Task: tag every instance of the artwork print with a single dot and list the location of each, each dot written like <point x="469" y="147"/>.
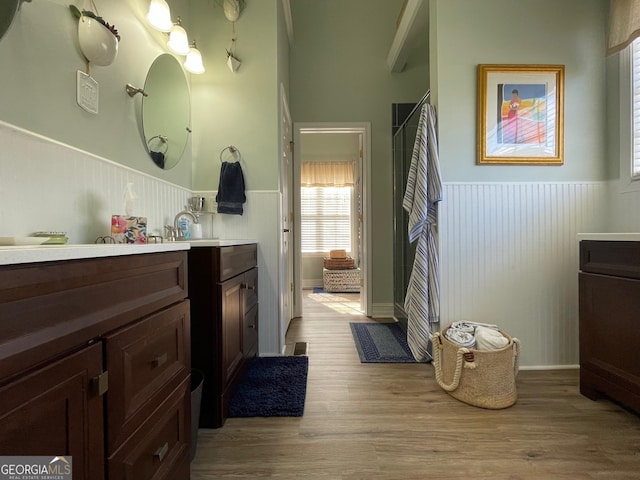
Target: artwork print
<point x="520" y="114"/>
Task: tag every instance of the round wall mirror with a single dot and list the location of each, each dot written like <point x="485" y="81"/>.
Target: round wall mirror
<point x="166" y="111"/>
<point x="8" y="10"/>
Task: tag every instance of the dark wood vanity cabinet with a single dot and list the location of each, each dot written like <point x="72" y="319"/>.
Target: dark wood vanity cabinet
<point x="609" y="291"/>
<point x="95" y="364"/>
<point x="54" y="409"/>
<point x="223" y="289"/>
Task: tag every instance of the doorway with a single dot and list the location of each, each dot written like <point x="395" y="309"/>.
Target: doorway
<point x="316" y="135"/>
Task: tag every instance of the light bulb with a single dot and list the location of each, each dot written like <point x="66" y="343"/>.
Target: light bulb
<point x="178" y="42"/>
<point x="159" y="15"/>
<point x="193" y="62"/>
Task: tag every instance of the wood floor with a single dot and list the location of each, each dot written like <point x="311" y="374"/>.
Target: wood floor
<point x="393" y="422"/>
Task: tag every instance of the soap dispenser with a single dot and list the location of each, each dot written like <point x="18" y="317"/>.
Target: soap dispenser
<point x="184" y="226"/>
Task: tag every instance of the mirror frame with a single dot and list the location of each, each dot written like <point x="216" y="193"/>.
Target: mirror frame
<point x="8" y="12"/>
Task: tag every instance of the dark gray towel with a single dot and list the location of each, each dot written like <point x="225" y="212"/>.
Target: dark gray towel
<point x="231" y="195"/>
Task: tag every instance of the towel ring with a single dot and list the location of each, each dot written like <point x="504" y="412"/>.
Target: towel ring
<point x="233" y="151"/>
<point x="164" y="142"/>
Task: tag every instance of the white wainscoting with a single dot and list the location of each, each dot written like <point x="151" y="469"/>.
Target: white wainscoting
<point x="509" y="256"/>
<point x="46" y="185"/>
<point x="624" y="207"/>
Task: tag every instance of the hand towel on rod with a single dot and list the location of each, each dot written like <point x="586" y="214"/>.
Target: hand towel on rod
<point x="231" y="196"/>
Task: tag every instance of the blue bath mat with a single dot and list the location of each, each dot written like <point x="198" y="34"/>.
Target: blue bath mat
<point x="272" y="387"/>
<point x="381" y="343"/>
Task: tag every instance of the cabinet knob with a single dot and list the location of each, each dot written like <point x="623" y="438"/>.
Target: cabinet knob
<point x="160" y="360"/>
<point x="162" y="451"/>
<point x="249" y="287"/>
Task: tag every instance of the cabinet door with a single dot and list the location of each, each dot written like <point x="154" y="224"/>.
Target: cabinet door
<point x="54" y="411"/>
<point x="609" y="338"/>
<point x="232" y="327"/>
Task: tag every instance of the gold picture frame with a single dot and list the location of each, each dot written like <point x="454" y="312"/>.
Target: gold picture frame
<point x="520" y="115"/>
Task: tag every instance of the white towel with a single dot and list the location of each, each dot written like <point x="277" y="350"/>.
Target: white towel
<point x="489" y="339"/>
<point x="460" y="337"/>
<point x="471" y="326"/>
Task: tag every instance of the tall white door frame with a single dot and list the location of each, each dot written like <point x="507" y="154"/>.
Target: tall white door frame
<point x="286" y="262"/>
<point x="364" y="129"/>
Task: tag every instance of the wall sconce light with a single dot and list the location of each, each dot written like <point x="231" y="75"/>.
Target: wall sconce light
<point x="178" y="42"/>
<point x="193" y="62"/>
<point x="159" y="15"/>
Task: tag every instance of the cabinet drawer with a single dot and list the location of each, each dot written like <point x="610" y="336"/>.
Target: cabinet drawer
<point x="236" y="259"/>
<point x="157" y="450"/>
<point x="250" y="289"/>
<point x="621" y="259"/>
<point x="52" y="307"/>
<point x="146" y="362"/>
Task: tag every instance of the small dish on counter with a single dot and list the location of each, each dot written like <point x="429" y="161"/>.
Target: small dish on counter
<point x="53" y="238"/>
<point x="18" y="240"/>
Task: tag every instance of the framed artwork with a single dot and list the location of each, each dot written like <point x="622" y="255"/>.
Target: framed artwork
<point x="521" y="114"/>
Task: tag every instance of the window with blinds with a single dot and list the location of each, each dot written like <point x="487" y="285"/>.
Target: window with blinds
<point x="325" y="219"/>
<point x="635" y="77"/>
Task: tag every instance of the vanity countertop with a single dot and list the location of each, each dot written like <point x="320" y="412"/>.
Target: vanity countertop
<point x="49" y="253"/>
<point x="220" y="242"/>
<point x="610" y="237"/>
<point x="11" y="255"/>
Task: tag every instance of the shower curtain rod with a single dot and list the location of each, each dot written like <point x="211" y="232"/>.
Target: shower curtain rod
<point x="414" y="110"/>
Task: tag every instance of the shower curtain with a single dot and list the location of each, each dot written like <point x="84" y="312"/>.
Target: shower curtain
<point x="422" y="194"/>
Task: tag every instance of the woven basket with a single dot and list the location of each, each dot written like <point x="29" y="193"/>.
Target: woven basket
<point x="338" y="263"/>
<point x="482" y="378"/>
<point x="341" y="280"/>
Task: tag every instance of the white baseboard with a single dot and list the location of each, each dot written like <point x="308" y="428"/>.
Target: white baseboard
<point x="381" y="310"/>
<point x="549" y="367"/>
<point x="312" y="283"/>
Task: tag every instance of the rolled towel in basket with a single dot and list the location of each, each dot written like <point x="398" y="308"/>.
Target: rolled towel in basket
<point x="471" y="326"/>
<point x="490" y="339"/>
<point x="460" y="337"/>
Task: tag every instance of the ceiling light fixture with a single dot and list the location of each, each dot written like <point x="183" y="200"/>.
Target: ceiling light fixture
<point x="193" y="62"/>
<point x="159" y="15"/>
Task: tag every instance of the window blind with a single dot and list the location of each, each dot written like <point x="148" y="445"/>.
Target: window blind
<point x="635" y="62"/>
<point x="325" y="219"/>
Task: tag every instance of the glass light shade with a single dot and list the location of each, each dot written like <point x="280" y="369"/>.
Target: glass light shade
<point x="193" y="62"/>
<point x="178" y="42"/>
<point x="159" y="15"/>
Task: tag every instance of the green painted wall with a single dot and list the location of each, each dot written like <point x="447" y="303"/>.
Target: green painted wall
<point x="465" y="33"/>
<point x="339" y="74"/>
<point x="40" y="56"/>
<point x="238" y="108"/>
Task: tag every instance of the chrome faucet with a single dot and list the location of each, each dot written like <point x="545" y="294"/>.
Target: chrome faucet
<point x="176" y="230"/>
